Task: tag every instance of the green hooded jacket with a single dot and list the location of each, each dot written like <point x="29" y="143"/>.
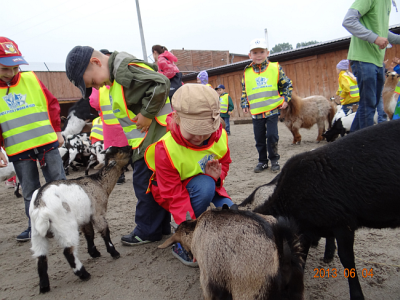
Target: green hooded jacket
<point x="145" y="92"/>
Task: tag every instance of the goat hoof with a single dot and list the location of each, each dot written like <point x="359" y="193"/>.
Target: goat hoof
<point x="44" y="289"/>
<point x="328" y="260"/>
<point x="83" y="274"/>
<point x="115" y="255"/>
<point x="94" y="253"/>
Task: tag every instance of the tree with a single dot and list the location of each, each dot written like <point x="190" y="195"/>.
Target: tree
<point x="281" y="47"/>
<point x="303" y="44"/>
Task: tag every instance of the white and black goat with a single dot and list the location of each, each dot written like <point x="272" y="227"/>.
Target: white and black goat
<point x="97" y="156"/>
<point x="78" y="115"/>
<point x="8" y="172"/>
<point x="243" y="255"/>
<point x="61" y="207"/>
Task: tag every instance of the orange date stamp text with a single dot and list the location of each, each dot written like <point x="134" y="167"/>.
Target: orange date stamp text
<point x="333" y="273"/>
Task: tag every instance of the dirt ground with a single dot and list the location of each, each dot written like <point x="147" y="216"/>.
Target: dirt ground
<point x="145" y="272"/>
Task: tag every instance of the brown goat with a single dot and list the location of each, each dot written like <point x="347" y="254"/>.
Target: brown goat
<point x="388" y="94"/>
<point x="304" y="113"/>
<point x="243" y="255"/>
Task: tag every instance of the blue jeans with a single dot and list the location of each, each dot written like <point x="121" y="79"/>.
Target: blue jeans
<point x="382" y="116"/>
<point x="28" y="174"/>
<point x="202" y="192"/>
<point x="370" y="80"/>
<point x="152" y="221"/>
<point x="228" y="125"/>
<point x="266" y="136"/>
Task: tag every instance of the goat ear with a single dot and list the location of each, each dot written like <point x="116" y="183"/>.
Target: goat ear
<point x="172" y="240"/>
<point x="212" y="206"/>
<point x="188" y="217"/>
<point x="173" y="225"/>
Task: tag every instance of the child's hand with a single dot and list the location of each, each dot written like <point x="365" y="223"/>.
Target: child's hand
<point x="230" y="113"/>
<point x="142" y="122"/>
<point x="60" y="139"/>
<point x="3" y="160"/>
<point x="245" y="110"/>
<point x="214" y="168"/>
<point x="284" y="105"/>
<point x="396" y="60"/>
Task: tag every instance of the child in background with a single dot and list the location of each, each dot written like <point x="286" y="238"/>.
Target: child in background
<point x="139" y="99"/>
<point x="348" y="88"/>
<point x="29" y="125"/>
<point x="396" y="68"/>
<point x="202" y="78"/>
<point x="191" y="161"/>
<point x="226" y="106"/>
<point x="265" y="88"/>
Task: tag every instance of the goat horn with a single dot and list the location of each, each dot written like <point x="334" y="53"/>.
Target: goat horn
<point x="173" y="225"/>
<point x="188" y="217"/>
<point x="212" y="205"/>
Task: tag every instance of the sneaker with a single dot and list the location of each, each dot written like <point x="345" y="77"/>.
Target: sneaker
<point x="10" y="184"/>
<point x="24" y="236"/>
<point x="121" y="179"/>
<point x="133" y="240"/>
<point x="275" y="167"/>
<point x="183" y="256"/>
<point x="260" y="167"/>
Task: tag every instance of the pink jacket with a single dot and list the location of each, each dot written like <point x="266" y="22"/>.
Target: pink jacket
<point x="166" y="64"/>
<point x="113" y="134"/>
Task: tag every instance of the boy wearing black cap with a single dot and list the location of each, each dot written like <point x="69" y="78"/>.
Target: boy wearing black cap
<point x="226" y="106"/>
<point x="140" y="102"/>
<point x="29" y="126"/>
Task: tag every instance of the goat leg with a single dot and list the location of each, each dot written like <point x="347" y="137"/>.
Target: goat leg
<point x="76" y="265"/>
<point x="110" y="246"/>
<point x="330" y="248"/>
<point x="89" y="235"/>
<point x="43" y="276"/>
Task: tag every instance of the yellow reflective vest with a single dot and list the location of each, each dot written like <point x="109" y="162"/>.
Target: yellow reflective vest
<point x="186" y="160"/>
<point x="125" y="116"/>
<point x="24" y="117"/>
<point x="97" y="129"/>
<point x="107" y="115"/>
<point x="397" y="90"/>
<point x="224" y="100"/>
<point x="262" y="89"/>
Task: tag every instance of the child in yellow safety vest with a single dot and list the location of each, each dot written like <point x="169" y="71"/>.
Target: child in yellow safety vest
<point x="191" y="161"/>
<point x="348" y="88"/>
<point x="139" y="101"/>
<point x="29" y="125"/>
<point x="265" y="90"/>
<point x="226" y="106"/>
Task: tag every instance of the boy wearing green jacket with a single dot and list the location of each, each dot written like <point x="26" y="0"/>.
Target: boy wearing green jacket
<point x="139" y="97"/>
<point x="226" y="106"/>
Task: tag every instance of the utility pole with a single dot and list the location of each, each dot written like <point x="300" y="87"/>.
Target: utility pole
<point x="266" y="37"/>
<point x="141" y="31"/>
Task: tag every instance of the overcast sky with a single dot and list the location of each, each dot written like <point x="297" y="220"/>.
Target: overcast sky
<point x="46" y="30"/>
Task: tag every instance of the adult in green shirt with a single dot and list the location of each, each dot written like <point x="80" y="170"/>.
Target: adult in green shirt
<point x="368" y="22"/>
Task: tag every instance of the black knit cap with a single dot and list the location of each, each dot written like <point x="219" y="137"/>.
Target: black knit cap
<point x="77" y="61"/>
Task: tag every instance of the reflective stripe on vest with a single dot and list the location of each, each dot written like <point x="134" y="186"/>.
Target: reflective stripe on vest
<point x="224" y="100"/>
<point x="134" y="136"/>
<point x="97" y="129"/>
<point x="107" y="114"/>
<point x="262" y="89"/>
<point x="161" y="117"/>
<point x="24" y="117"/>
<point x="397" y="90"/>
<point x="186" y="160"/>
<point x="354" y="91"/>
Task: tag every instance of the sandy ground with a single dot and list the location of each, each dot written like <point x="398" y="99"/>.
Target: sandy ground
<point x="145" y="272"/>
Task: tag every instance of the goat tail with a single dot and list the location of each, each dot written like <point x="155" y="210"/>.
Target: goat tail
<point x="295" y="104"/>
<point x="250" y="198"/>
<point x="331" y="114"/>
<point x="40" y="218"/>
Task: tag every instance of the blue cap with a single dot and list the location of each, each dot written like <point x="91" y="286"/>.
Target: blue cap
<point x="77" y="61"/>
<point x="221" y="86"/>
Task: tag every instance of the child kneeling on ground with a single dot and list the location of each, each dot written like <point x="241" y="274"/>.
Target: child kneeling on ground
<point x="192" y="160"/>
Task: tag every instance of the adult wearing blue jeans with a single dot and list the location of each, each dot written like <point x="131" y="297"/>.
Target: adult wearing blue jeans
<point x="368" y="22"/>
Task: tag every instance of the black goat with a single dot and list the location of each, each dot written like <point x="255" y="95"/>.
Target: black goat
<point x="336" y="189"/>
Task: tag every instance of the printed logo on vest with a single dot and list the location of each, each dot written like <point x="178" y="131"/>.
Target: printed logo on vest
<point x="15" y="100"/>
<point x="204" y="160"/>
<point x="262" y="83"/>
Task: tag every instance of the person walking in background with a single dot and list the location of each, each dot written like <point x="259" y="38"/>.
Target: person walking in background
<point x="396" y="67"/>
<point x="368" y="22"/>
<point x="113" y="134"/>
<point x="166" y="65"/>
<point x="139" y="97"/>
<point x="29" y="125"/>
<point x="265" y="89"/>
<point x="226" y="106"/>
<point x="202" y="78"/>
<point x="348" y="88"/>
